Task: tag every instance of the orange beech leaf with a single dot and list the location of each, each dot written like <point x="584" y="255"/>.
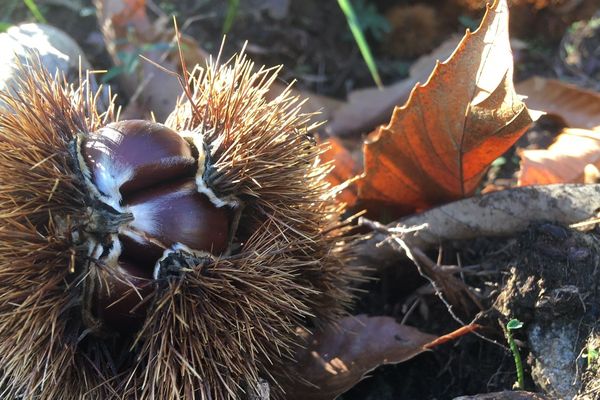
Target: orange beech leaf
<point x="564" y="161"/>
<point x="578" y="107"/>
<point x="438" y="145"/>
<point x="338" y="357"/>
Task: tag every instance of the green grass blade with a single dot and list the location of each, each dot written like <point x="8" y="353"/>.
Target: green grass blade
<point x="33" y="8"/>
<point x="360" y="40"/>
<point x="232" y="9"/>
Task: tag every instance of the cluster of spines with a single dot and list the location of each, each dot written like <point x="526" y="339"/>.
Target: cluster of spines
<point x="41" y="204"/>
<point x="218" y="327"/>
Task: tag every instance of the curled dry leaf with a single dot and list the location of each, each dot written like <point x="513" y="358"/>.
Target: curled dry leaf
<point x="338" y="357"/>
<point x="564" y="161"/>
<point x="495" y="214"/>
<point x="437" y="147"/>
<point x="579" y="108"/>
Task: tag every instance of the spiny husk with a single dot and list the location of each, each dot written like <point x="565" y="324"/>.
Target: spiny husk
<point x="40" y="203"/>
<point x="220" y="325"/>
<point x="261" y="154"/>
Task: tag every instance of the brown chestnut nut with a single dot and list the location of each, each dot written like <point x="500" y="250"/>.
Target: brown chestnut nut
<point x="148" y="171"/>
<point x="128" y="156"/>
<point x="176" y="213"/>
<point x="118" y="304"/>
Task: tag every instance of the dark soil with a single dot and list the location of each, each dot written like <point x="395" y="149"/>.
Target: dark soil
<point x="554" y="289"/>
<point x="468" y="366"/>
<point x="547" y="277"/>
<point x="311" y="39"/>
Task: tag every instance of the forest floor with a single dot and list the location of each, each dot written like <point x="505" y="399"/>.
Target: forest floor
<point x="312" y="41"/>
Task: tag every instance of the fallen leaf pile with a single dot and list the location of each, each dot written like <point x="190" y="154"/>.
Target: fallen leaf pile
<point x="576" y="150"/>
<point x="438" y="145"/>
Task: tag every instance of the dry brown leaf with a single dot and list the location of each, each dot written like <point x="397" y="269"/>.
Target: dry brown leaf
<point x="579" y="108"/>
<point x="339" y="357"/>
<point x="368" y="108"/>
<point x="437" y="147"/>
<point x="564" y="161"/>
<point x="500" y="213"/>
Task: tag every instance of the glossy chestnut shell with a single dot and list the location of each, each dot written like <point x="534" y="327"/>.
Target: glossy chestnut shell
<point x="148" y="170"/>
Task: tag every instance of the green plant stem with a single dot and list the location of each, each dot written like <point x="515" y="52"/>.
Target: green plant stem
<point x="359" y="37"/>
<point x="517" y="356"/>
<point x="33" y="8"/>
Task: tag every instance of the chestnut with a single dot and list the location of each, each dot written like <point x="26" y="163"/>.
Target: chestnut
<point x="128" y="156"/>
<point x="149" y="171"/>
<point x="117" y="303"/>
